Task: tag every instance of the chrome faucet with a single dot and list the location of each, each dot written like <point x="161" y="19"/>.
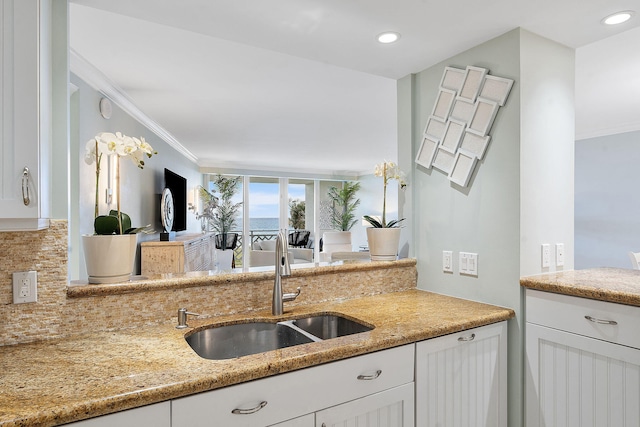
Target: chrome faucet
<point x="283" y="269"/>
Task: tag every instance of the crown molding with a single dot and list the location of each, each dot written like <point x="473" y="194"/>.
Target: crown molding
<point x="612" y="130"/>
<point x="100" y="82"/>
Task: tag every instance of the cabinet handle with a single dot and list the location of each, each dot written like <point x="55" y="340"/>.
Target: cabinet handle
<point x="600" y="321"/>
<point x="250" y="411"/>
<point x="25" y="186"/>
<point x="467" y="338"/>
<point x="370" y="377"/>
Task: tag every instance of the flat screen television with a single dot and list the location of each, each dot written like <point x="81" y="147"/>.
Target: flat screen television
<point x="178" y="186"/>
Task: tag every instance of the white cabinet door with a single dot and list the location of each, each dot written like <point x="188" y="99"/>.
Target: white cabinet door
<point x="461" y="379"/>
<point x="573" y="380"/>
<point x="389" y="408"/>
<point x="304" y="421"/>
<point x="23" y="126"/>
<point x="158" y="415"/>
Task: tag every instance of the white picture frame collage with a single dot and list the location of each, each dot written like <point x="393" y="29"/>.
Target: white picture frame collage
<point x="456" y="135"/>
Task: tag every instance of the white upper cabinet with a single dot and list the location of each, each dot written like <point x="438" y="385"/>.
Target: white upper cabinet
<point x="25" y="112"/>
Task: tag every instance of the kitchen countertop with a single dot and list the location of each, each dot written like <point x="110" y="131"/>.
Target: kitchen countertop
<point x="59" y="381"/>
<point x="617" y="285"/>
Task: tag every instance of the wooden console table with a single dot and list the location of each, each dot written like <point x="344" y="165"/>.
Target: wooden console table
<point x="189" y="252"/>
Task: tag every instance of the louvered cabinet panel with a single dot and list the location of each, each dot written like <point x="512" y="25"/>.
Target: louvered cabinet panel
<point x="575" y="380"/>
<point x="461" y="379"/>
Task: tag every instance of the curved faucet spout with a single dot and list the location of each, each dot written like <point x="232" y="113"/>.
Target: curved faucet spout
<point x="283" y="269"/>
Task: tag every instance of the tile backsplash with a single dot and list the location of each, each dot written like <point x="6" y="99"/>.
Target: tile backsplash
<point x="58" y="315"/>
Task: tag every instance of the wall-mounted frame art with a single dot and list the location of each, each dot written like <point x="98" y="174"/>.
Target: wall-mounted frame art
<point x="462" y="168"/>
<point x="462" y="110"/>
<point x="483" y="116"/>
<point x="443" y="160"/>
<point x="443" y="103"/>
<point x="435" y="127"/>
<point x="456" y="135"/>
<point x="475" y="144"/>
<point x="472" y="84"/>
<point x="452" y="78"/>
<point x="496" y="89"/>
<point x="453" y="135"/>
<point x="427" y="152"/>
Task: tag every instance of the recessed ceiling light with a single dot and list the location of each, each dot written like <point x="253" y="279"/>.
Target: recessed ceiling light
<point x="618" y="17"/>
<point x="388" y="37"/>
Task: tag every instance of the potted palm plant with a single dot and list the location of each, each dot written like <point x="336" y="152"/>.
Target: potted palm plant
<point x="384" y="237"/>
<point x="343" y="216"/>
<point x="110" y="252"/>
<point x="223" y="219"/>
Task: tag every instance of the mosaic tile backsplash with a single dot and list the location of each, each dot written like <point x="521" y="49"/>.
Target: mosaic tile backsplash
<point x="57" y="315"/>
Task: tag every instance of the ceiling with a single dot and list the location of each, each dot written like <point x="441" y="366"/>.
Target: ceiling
<point x="302" y="85"/>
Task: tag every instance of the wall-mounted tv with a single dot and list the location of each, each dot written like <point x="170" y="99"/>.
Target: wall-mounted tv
<point x="178" y="186"/>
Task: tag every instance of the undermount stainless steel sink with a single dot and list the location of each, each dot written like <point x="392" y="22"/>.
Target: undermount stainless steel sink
<point x="230" y="341"/>
<point x="241" y="339"/>
<point x="329" y="326"/>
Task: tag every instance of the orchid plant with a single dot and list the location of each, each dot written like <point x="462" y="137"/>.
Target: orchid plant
<point x="388" y="171"/>
<point x="106" y="143"/>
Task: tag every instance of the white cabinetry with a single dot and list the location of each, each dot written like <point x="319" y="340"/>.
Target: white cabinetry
<point x="461" y="379"/>
<point x="273" y="400"/>
<point x="157" y="415"/>
<point x="389" y="408"/>
<point x="583" y="362"/>
<point x="24" y="116"/>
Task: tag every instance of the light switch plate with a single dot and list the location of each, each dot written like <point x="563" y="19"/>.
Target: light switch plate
<point x="447" y="261"/>
<point x="469" y="263"/>
<point x="546" y="255"/>
<point x="559" y="254"/>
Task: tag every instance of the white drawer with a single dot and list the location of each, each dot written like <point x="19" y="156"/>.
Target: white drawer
<point x="616" y="323"/>
<point x="296" y="393"/>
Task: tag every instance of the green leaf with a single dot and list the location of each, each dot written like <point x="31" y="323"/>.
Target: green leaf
<point x="106" y="224"/>
<point x="126" y="220"/>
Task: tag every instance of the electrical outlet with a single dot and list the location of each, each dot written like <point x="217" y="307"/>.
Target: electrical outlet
<point x="447" y="261"/>
<point x="559" y="254"/>
<point x="546" y="255"/>
<point x="25" y="287"/>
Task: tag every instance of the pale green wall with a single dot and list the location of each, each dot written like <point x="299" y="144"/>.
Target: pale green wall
<point x="486" y="217"/>
<point x="140" y="189"/>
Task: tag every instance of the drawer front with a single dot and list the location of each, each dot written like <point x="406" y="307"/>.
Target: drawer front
<point x="282" y="397"/>
<point x="616" y="323"/>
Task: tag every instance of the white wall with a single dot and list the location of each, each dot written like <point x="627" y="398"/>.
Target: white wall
<point x="546" y="151"/>
<point x="140" y="189"/>
<point x="607" y="205"/>
<point x="486" y="217"/>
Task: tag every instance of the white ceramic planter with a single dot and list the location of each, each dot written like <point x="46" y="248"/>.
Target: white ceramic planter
<point x="109" y="259"/>
<point x="224" y="259"/>
<point x="383" y="243"/>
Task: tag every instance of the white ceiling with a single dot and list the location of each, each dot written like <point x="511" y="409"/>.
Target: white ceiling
<point x="302" y="85"/>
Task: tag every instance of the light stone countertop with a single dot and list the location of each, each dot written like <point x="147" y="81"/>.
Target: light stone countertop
<point x="616" y="285"/>
<point x="63" y="380"/>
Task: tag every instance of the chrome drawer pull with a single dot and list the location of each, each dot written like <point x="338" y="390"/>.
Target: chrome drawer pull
<point x="601" y="321"/>
<point x="250" y="411"/>
<point x="370" y="377"/>
<point x="467" y="338"/>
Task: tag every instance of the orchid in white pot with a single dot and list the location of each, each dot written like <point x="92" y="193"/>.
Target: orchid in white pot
<point x="384" y="237"/>
<point x="110" y="252"/>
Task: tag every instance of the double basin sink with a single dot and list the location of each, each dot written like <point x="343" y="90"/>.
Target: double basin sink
<point x="241" y="339"/>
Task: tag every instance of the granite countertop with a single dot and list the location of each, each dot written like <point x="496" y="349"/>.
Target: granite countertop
<point x="64" y="380"/>
<point x="617" y="285"/>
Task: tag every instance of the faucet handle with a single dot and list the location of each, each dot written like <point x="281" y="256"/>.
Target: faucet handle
<point x="182" y="318"/>
<point x="291" y="296"/>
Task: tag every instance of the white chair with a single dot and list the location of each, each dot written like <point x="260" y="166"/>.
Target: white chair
<point x="635" y="260"/>
<point x="263" y="253"/>
<point x="335" y="241"/>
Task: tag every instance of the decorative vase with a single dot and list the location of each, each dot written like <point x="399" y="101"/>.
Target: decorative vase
<point x="383" y="243"/>
<point x="224" y="259"/>
<point x="109" y="258"/>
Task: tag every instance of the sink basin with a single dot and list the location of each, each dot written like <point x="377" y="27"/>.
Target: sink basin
<point x="330" y="326"/>
<point x="230" y="341"/>
<point x="242" y="339"/>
